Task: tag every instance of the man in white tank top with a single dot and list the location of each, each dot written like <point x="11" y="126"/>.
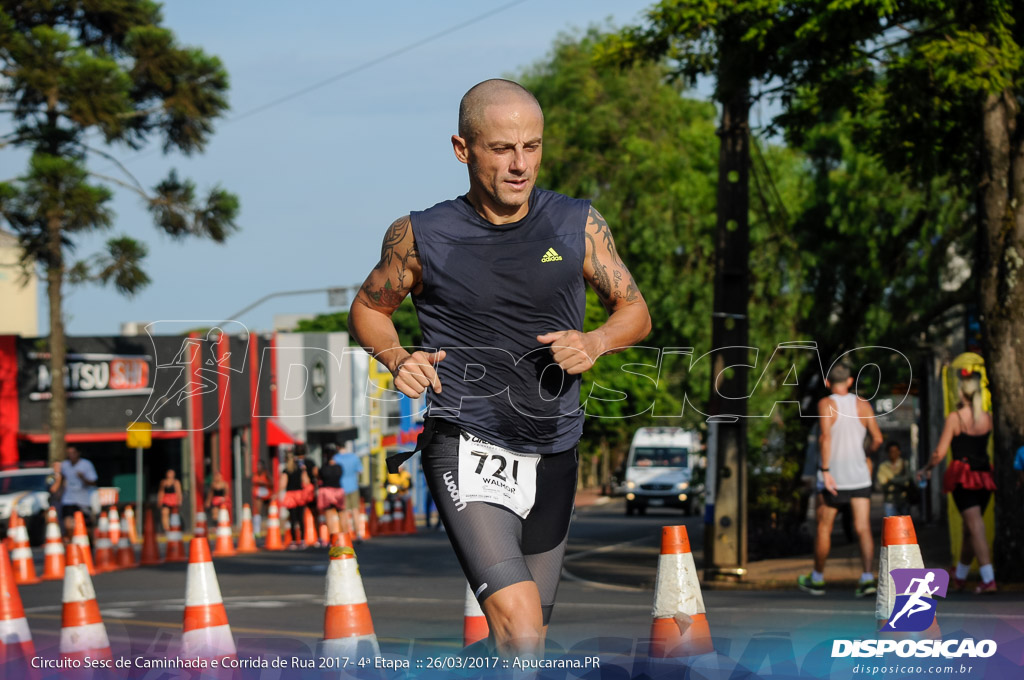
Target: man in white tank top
<point x="845" y="418"/>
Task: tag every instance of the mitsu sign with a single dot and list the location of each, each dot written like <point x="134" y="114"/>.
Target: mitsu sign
<point x="94" y="375"/>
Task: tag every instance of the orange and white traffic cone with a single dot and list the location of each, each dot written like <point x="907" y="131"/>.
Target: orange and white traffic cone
<point x="899" y="551"/>
<point x="80" y="537"/>
<point x="125" y="551"/>
<point x="175" y="551"/>
<point x="310" y="525"/>
<point x="680" y="626"/>
<point x="225" y="544"/>
<point x="133" y="534"/>
<point x="363" y="530"/>
<point x="150" y="549"/>
<point x="207" y="634"/>
<point x="82" y="634"/>
<point x="21" y="555"/>
<point x="348" y="628"/>
<point x="103" y="556"/>
<point x="53" y="549"/>
<point x="398" y="516"/>
<point x="246" y="540"/>
<point x="114" y="521"/>
<point x="199" y="530"/>
<point x="474" y="623"/>
<point x="273" y="540"/>
<point x="15" y="636"/>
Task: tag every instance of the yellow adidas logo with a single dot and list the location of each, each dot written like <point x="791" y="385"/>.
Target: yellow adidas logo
<point x="551" y="256"/>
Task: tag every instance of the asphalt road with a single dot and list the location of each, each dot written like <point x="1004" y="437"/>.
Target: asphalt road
<point x="415" y="591"/>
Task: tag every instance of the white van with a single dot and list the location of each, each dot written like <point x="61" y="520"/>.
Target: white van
<point x="659" y="469"/>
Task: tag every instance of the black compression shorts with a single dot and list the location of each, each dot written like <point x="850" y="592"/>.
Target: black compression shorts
<point x="844" y="496"/>
<point x="495" y="547"/>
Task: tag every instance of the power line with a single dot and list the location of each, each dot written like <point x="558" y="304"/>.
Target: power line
<point x="352" y="71"/>
<point x="373" y="62"/>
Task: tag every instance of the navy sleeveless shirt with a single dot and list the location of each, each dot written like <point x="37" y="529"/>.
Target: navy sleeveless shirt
<point x="488" y="291"/>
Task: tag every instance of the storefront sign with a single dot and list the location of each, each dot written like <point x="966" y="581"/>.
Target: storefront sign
<point x="94" y="375"/>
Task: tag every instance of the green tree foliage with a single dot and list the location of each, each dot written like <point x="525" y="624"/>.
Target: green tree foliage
<point x="405" y="320"/>
<point x="647" y="156"/>
<point x="935" y="91"/>
<point x="939" y="92"/>
<point x="79" y="80"/>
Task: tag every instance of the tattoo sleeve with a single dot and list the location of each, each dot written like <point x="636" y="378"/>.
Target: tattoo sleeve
<point x="610" y="278"/>
<point x="396" y="272"/>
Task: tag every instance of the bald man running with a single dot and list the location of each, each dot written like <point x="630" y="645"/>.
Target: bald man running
<point x="498" y="277"/>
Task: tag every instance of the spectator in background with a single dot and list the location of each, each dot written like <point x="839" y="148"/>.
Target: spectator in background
<point x="968" y="478"/>
<point x="169" y="499"/>
<point x="312" y="471"/>
<point x="894" y="481"/>
<point x="217" y="496"/>
<point x="351" y="468"/>
<point x="330" y="496"/>
<point x="295" y="489"/>
<point x="261" y="491"/>
<point x="78" y="477"/>
<point x="54" y="484"/>
<point x="1018" y="465"/>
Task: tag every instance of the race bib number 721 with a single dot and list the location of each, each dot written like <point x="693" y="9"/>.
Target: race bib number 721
<point x="492" y="474"/>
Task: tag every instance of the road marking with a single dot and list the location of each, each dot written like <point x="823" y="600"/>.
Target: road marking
<point x="237" y="602"/>
<point x="605" y="548"/>
<point x="271" y="632"/>
<point x="569" y="576"/>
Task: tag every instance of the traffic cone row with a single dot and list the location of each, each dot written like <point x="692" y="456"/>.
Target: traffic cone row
<point x="225" y="542"/>
<point x="246" y="540"/>
<point x="309" y="524"/>
<point x="273" y="540"/>
<point x="129" y="517"/>
<point x="16" y="638"/>
<point x="348" y="628"/>
<point x="80" y="538"/>
<point x="175" y="542"/>
<point x="114" y="519"/>
<point x="103" y="555"/>
<point x="362" y="522"/>
<point x="150" y="550"/>
<point x="53" y="549"/>
<point x="82" y="635"/>
<point x="21" y="553"/>
<point x="125" y="552"/>
<point x="199" y="530"/>
<point x="206" y="632"/>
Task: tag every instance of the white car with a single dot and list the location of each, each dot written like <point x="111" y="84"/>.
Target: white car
<point x="659" y="470"/>
<point x="27" y="491"/>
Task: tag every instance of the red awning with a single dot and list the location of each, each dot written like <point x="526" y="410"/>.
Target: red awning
<point x="278" y="434"/>
<point x="89" y="437"/>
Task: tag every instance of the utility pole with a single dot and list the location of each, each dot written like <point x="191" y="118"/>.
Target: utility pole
<point x="725" y="540"/>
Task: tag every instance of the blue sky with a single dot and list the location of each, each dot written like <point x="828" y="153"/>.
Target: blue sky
<point x="321" y="176"/>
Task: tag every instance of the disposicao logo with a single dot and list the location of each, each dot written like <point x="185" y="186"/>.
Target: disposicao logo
<point x="914" y="608"/>
<point x="913" y="611"/>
